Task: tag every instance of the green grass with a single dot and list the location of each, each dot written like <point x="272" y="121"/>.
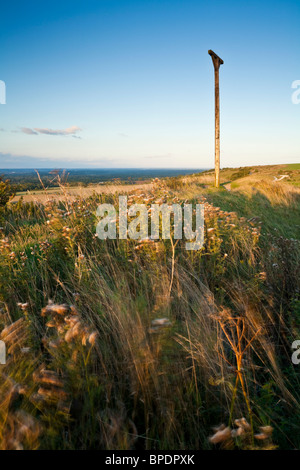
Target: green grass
<point x="293" y="166"/>
<point x="277" y="217"/>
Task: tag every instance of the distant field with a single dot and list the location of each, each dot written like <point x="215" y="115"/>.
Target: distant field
<point x="231" y="179"/>
<point x="23" y="180"/>
<point x="293" y="166"/>
<point x="77" y="191"/>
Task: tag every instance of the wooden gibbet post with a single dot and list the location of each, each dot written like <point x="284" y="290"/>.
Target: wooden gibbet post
<point x="217" y="61"/>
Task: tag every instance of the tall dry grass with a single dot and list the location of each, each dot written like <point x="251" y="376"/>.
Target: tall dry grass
<point x="143" y="345"/>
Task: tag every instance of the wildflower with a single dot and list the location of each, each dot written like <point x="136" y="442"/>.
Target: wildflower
<point x="93" y="337"/>
<point x="51" y="324"/>
<point x="76" y="296"/>
<point x="55" y="344"/>
<point x="71" y="319"/>
<point x="261" y="436"/>
<point x="84" y="336"/>
<point x="48" y="377"/>
<point x="161" y="322"/>
<point x="237" y="432"/>
<point x="242" y="423"/>
<point x="52" y="393"/>
<point x="266" y="432"/>
<point x="221" y="435"/>
<point x="53" y="309"/>
<point x="23" y="306"/>
<point x="70" y="335"/>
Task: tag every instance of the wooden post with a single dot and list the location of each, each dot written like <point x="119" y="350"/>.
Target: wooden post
<point x="217" y="62"/>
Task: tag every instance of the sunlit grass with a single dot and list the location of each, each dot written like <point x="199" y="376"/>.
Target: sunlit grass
<point x="127" y="345"/>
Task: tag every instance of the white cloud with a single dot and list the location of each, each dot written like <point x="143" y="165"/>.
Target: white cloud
<point x="26" y="130"/>
<point x="73" y="130"/>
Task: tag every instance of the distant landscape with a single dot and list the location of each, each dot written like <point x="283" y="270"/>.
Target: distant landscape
<point x="26" y="179"/>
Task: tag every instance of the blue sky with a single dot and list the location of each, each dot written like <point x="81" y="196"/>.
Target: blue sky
<point x="129" y="83"/>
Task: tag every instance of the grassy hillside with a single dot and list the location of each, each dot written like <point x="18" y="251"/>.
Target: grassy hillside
<point x="142" y="344"/>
